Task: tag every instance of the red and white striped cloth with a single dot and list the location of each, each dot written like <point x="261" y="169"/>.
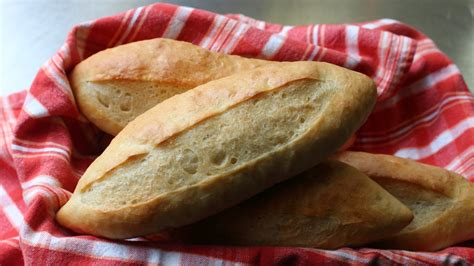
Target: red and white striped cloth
<point x="424" y="112"/>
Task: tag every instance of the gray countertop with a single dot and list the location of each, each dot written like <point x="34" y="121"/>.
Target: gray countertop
<point x="31" y="31"/>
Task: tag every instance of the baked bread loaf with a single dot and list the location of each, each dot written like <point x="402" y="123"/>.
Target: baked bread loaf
<point x="212" y="147"/>
<point x="329" y="206"/>
<point x="116" y="85"/>
<point x="442" y="201"/>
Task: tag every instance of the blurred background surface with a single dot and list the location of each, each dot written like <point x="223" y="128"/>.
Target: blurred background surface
<point x="32" y="30"/>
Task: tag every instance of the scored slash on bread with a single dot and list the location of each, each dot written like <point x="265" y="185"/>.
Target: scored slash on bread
<point x="212" y="147"/>
<point x="116" y="85"/>
<point x="329" y="206"/>
<point x="441" y="201"/>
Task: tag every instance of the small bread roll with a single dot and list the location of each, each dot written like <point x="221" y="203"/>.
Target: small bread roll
<point x="329" y="206"/>
<point x="442" y="201"/>
<point x="116" y="85"/>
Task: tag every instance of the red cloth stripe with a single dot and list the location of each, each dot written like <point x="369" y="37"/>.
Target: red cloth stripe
<point x="196" y="26"/>
<point x="252" y="43"/>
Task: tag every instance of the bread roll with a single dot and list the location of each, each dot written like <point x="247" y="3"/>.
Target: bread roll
<point x="116" y="85"/>
<point x="212" y="147"/>
<point x="442" y="201"/>
<point x="329" y="206"/>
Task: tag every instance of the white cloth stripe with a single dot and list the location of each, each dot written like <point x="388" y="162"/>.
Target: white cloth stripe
<point x="339" y="254"/>
<point x="379" y="23"/>
<point x="460" y="159"/>
<point x="272" y="46"/>
<point x="153" y="256"/>
<point x="313" y="53"/>
<point x="425" y="42"/>
<point x="65" y="52"/>
<point x="467" y="168"/>
<point x="41" y="143"/>
<point x="13" y="242"/>
<point x="316" y="34"/>
<point x="285" y="29"/>
<point x="395" y="257"/>
<point x="39" y="150"/>
<point x="433" y="78"/>
<point x="424" y="45"/>
<point x="218" y="262"/>
<point x="82" y="32"/>
<point x="235" y="37"/>
<point x="383" y="45"/>
<point x="425" y="83"/>
<point x="223" y="35"/>
<point x="13" y="215"/>
<point x="314" y="40"/>
<point x="29" y="195"/>
<point x="177" y="22"/>
<point x="106" y="250"/>
<point x="352" y="46"/>
<point x="42" y="155"/>
<point x="403" y="54"/>
<point x="57" y="60"/>
<point x="136" y="13"/>
<point x="37" y="192"/>
<point x="11" y="211"/>
<point x="206" y="41"/>
<point x="421" y="53"/>
<point x="8" y="111"/>
<point x="468" y="162"/>
<point x="170" y="258"/>
<point x="46" y="194"/>
<point x="132" y="37"/>
<point x="389" y="63"/>
<point x="41" y="180"/>
<point x="123" y="23"/>
<point x="33" y="107"/>
<point x="441" y="141"/>
<point x="59" y="78"/>
<point x="9" y="121"/>
<point x="351" y="62"/>
<point x="434" y="258"/>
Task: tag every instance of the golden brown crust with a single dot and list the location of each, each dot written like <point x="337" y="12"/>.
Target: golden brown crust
<point x="348" y="99"/>
<point x="329" y="206"/>
<point x="164" y="60"/>
<point x="121" y="76"/>
<point x="443" y="200"/>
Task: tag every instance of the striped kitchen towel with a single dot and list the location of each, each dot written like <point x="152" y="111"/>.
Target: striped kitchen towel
<point x="424" y="112"/>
